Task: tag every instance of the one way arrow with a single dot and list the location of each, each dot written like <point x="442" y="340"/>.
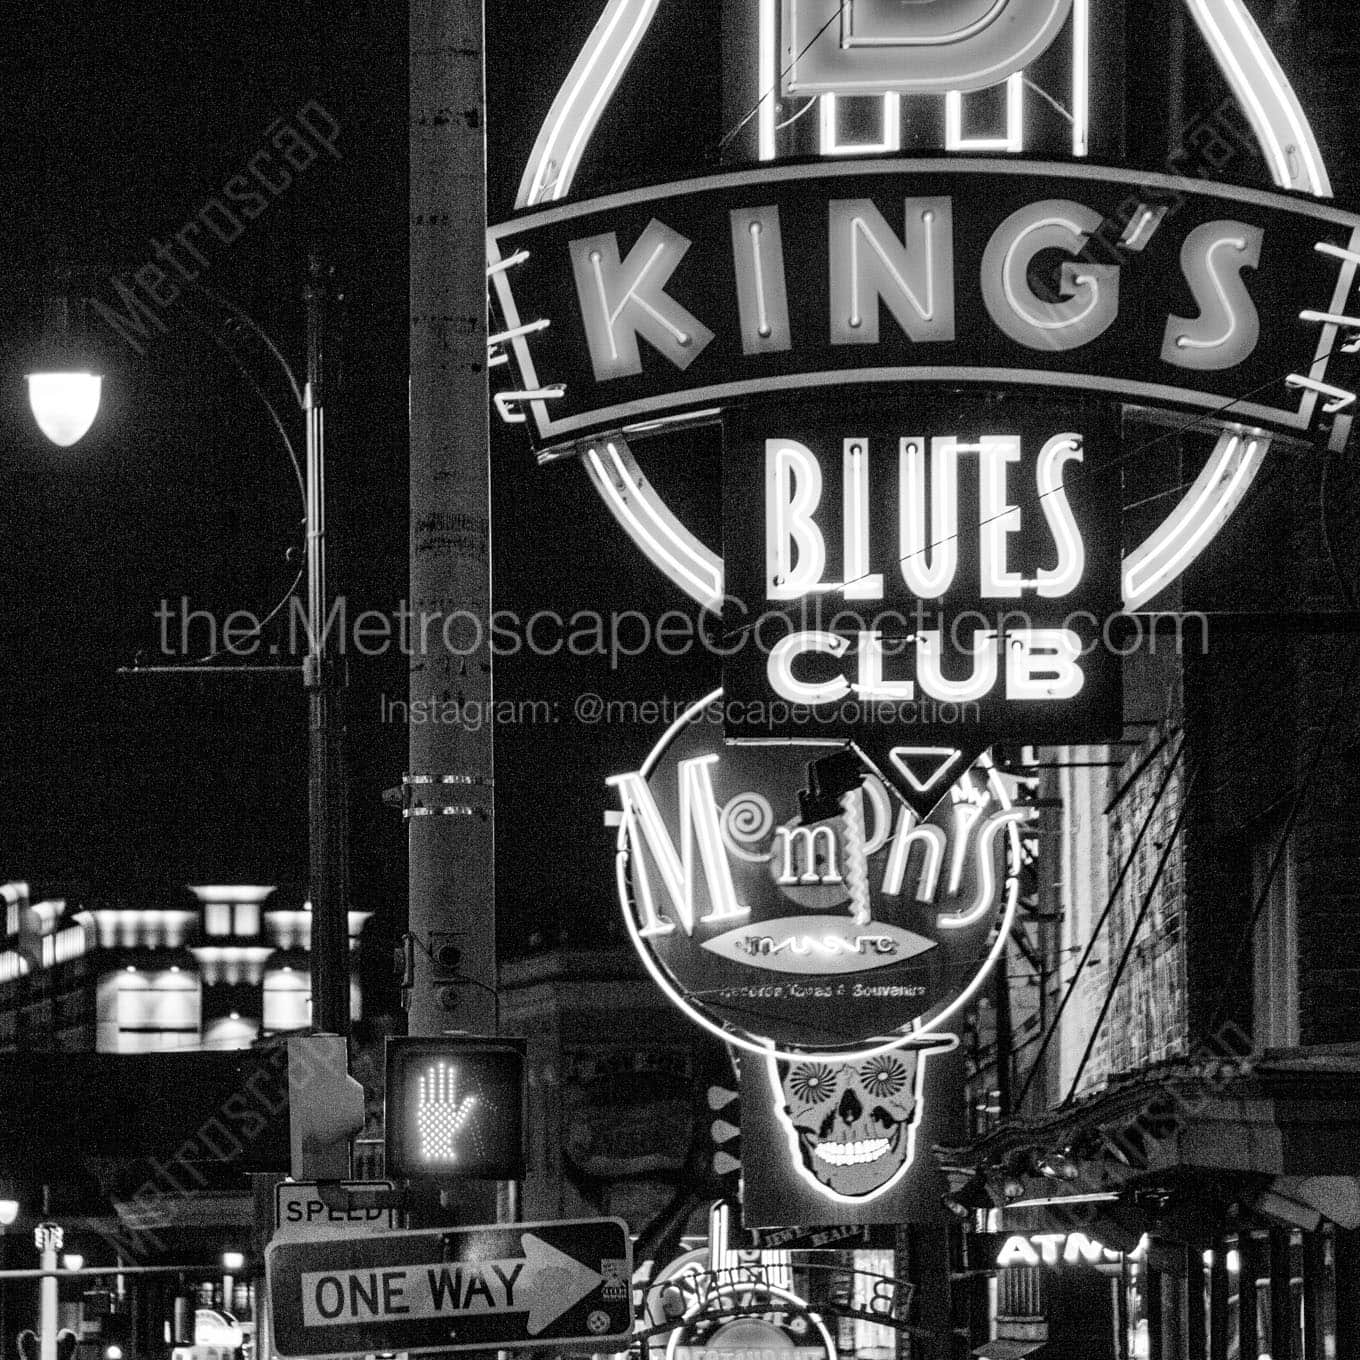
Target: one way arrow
<point x="544" y="1282"/>
<point x="554" y="1283"/>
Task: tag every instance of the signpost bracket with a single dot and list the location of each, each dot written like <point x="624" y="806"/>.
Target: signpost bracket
<point x="338" y="1195"/>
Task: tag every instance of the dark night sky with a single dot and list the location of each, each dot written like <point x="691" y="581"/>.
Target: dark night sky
<point x="118" y="120"/>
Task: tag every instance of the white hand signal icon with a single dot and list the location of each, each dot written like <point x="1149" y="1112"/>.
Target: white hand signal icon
<point x="440" y="1115"/>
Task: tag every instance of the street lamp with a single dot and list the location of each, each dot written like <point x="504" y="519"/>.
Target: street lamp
<point x="63" y="392"/>
<point x="65" y="403"/>
<point x="232" y="1263"/>
<point x="9" y="1211"/>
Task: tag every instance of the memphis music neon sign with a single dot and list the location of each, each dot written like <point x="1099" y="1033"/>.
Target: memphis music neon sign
<point x="787" y="900"/>
<point x="1144" y="287"/>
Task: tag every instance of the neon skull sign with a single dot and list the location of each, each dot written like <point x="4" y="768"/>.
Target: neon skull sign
<point x="853" y="1124"/>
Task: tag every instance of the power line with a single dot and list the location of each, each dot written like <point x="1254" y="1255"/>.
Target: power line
<point x="1127" y="865"/>
<point x="1306" y="784"/>
<point x="1162" y="862"/>
<point x="755" y="108"/>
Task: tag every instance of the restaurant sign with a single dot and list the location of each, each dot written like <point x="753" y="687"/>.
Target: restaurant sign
<point x="1147" y="288"/>
<point x="790" y="902"/>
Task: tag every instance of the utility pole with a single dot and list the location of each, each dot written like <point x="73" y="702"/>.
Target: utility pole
<point x="448" y="787"/>
<point x="327" y="809"/>
<point x="47" y="1237"/>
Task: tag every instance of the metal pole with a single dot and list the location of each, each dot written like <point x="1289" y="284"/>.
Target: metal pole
<point x="1005" y="1038"/>
<point x="449" y="780"/>
<point x="327" y="811"/>
<point x="47" y="1237"/>
<point x="1347" y="1292"/>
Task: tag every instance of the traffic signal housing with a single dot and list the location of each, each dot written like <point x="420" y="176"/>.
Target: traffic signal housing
<point x="446" y="962"/>
<point x="455" y="1108"/>
<point x="325" y="1107"/>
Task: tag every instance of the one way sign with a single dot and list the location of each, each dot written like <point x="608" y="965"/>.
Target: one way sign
<point x="516" y="1285"/>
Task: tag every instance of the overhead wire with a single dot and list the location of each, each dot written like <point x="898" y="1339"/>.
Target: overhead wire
<point x="1089" y="949"/>
<point x="1114" y="464"/>
<point x="774" y="89"/>
<point x="1148" y="897"/>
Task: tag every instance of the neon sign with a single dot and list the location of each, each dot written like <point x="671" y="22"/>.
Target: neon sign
<point x="789" y="901"/>
<point x="928" y="550"/>
<point x="1068" y="1248"/>
<point x="879" y="44"/>
<point x="913" y="271"/>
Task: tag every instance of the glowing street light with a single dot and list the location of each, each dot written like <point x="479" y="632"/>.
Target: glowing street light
<point x="64" y="404"/>
<point x="63" y="389"/>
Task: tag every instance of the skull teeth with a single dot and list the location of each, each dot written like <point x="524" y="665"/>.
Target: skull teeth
<point x="851" y="1154"/>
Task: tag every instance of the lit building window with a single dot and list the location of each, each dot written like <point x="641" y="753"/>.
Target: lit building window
<point x="235" y="1031"/>
<point x="287" y="1001"/>
<point x="231" y="963"/>
<point x="290" y="929"/>
<point x="142" y="928"/>
<point x="231" y="909"/>
<point x="147" y="1011"/>
<point x="1275" y="966"/>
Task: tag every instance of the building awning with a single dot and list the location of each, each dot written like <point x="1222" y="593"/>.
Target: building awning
<point x="1009" y="1350"/>
<point x="1287" y="1119"/>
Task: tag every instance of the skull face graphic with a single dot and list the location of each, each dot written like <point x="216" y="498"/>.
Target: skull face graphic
<point x="855" y="1122"/>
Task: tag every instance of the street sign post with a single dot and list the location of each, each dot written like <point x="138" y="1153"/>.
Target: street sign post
<point x="302" y="1213"/>
<point x="514" y="1285"/>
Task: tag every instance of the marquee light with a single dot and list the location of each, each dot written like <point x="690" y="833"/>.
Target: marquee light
<point x="507" y="402"/>
<point x="1055" y="582"/>
<point x="986" y="887"/>
<point x="1338" y="252"/>
<point x="649" y="522"/>
<point x="943" y="760"/>
<point x="528" y="328"/>
<point x="1090" y="292"/>
<point x="642" y="820"/>
<point x="1216" y="493"/>
<point x="495" y="267"/>
<point x="930" y="667"/>
<point x="793" y="490"/>
<point x="1014" y="140"/>
<point x="1228" y="327"/>
<point x="1264" y="91"/>
<point x="762" y="292"/>
<point x="830" y="144"/>
<point x="1348" y="323"/>
<point x="576" y="111"/>
<point x="1081" y="77"/>
<point x="1142" y="227"/>
<point x="931" y="839"/>
<point x="1339" y="398"/>
<point x="888" y="46"/>
<point x="767" y="76"/>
